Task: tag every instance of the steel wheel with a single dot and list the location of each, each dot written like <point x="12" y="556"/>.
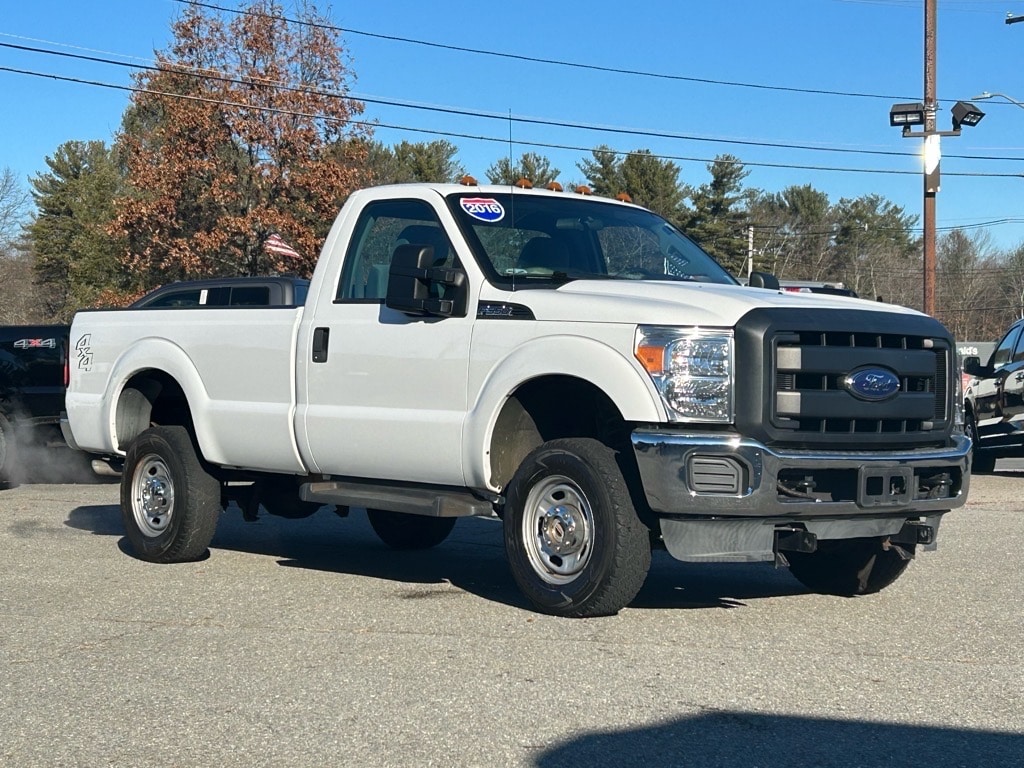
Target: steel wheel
<point x="558" y="529"/>
<point x="152" y="496"/>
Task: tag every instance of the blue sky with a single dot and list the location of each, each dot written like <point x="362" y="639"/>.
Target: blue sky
<point x="870" y="47"/>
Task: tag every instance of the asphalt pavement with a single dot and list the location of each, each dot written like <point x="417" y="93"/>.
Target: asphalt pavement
<point x="308" y="643"/>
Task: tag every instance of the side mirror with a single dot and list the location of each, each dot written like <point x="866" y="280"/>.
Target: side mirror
<point x="411" y="277"/>
<point x="764" y="280"/>
<point x="972" y="366"/>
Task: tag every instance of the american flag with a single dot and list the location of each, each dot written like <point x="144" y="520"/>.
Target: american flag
<point x="276" y="245"/>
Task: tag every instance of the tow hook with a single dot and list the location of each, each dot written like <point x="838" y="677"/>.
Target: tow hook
<point x="889" y="545"/>
<point x="916" y="532"/>
<point x="794" y="540"/>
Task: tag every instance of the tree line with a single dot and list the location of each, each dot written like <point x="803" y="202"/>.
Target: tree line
<point x="245" y="128"/>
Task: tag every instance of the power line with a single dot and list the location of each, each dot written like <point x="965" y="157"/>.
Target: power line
<point x="782" y="228"/>
<point x="542" y="60"/>
<point x="221" y="77"/>
<point x="490" y="139"/>
<point x="214" y="75"/>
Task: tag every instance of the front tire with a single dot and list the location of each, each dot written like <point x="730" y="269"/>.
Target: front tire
<point x="574" y="541"/>
<point x="169" y="502"/>
<point x="982" y="461"/>
<point x="849" y="567"/>
<point x="403" y="531"/>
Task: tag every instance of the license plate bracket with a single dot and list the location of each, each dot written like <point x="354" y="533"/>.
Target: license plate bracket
<point x="885" y="486"/>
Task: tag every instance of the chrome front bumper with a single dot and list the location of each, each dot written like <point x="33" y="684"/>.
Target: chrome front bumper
<point x="723" y="498"/>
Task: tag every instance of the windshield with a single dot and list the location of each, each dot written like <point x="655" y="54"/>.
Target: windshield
<point x="521" y="239"/>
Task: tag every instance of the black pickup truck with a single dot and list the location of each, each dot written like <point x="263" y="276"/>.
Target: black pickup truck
<point x="32" y="359"/>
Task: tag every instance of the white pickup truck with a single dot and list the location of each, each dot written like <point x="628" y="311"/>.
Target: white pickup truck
<point x="574" y="365"/>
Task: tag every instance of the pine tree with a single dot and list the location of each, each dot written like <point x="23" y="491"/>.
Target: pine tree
<point x="75" y="257"/>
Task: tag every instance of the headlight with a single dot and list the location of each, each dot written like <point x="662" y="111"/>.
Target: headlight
<point x="692" y="370"/>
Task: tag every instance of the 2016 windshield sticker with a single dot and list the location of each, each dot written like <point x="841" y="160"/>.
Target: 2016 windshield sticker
<point x="483" y="208"/>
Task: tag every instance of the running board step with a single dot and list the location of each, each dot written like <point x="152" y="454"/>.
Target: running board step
<point x="432" y="502"/>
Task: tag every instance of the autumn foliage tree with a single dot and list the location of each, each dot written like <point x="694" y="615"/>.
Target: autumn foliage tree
<point x="243" y="130"/>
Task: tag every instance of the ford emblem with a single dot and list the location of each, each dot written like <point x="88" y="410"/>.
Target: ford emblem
<point x="872" y="384"/>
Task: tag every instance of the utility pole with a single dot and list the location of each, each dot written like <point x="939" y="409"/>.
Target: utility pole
<point x="931" y="155"/>
<point x="923" y="114"/>
<point x="750" y="249"/>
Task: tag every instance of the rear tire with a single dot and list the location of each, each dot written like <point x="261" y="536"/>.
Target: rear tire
<point x="281" y="499"/>
<point x="849" y="567"/>
<point x="404" y="531"/>
<point x="574" y="541"/>
<point x="169" y="502"/>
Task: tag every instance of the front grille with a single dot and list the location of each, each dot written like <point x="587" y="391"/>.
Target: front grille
<point x="812" y="396"/>
<point x="820" y="379"/>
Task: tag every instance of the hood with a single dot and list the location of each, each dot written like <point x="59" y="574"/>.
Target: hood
<point x="670" y="303"/>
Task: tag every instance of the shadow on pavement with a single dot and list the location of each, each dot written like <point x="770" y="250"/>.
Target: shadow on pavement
<point x="472" y="559"/>
<point x="730" y="738"/>
<point x="100" y="519"/>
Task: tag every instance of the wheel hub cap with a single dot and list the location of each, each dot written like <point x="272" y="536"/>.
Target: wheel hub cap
<point x="561" y="532"/>
<point x="152" y="496"/>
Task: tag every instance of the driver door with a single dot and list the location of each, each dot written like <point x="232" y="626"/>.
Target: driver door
<point x="385" y="394"/>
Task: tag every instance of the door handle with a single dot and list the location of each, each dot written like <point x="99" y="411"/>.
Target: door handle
<point x="321" y="340"/>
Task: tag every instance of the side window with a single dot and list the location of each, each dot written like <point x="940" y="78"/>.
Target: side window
<point x="177" y="299"/>
<point x="381" y="228"/>
<point x="218" y="296"/>
<point x="250" y="296"/>
<point x="1018" y="350"/>
<point x="1003" y="351"/>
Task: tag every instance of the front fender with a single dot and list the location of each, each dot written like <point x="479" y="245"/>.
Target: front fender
<point x="604" y="366"/>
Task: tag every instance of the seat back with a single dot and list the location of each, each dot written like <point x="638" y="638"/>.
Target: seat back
<point x="544" y="253"/>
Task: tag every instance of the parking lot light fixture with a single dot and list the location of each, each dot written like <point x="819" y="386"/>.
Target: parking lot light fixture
<point x="965" y="113"/>
<point x="907" y="114"/>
